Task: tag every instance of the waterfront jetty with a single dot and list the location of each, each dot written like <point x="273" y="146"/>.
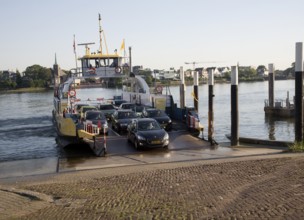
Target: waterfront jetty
<point x="279" y="107"/>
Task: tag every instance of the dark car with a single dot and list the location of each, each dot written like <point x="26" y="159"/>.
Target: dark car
<point x="118" y="102"/>
<point x="146" y="132"/>
<point x="107" y="109"/>
<point x="160" y="116"/>
<point x="127" y="105"/>
<point x="135" y="107"/>
<point x="121" y="118"/>
<point x="99" y="119"/>
<point x="138" y="109"/>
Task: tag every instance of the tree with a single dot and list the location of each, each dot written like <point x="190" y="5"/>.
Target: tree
<point x="40" y="76"/>
<point x="149" y="80"/>
<point x="247" y="72"/>
<point x="18" y="80"/>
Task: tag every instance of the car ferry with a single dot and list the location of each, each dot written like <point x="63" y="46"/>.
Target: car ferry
<point x="71" y="129"/>
<point x="100" y="65"/>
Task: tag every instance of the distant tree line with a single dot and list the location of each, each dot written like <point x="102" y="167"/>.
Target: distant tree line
<point x="246" y="73"/>
<point x="38" y="76"/>
<point x="33" y="76"/>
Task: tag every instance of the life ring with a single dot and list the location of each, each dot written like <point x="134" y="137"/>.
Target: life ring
<point x="92" y="70"/>
<point x="72" y="93"/>
<point x="159" y="89"/>
<point x="118" y="69"/>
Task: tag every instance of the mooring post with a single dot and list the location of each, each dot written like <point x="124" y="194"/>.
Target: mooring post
<point x="195" y="90"/>
<point x="182" y="88"/>
<point x="234" y="141"/>
<point x="299" y="93"/>
<point x="271" y="85"/>
<point x="210" y="106"/>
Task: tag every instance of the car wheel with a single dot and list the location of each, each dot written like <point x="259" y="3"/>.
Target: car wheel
<point x="166" y="147"/>
<point x="136" y="145"/>
<point x="128" y="139"/>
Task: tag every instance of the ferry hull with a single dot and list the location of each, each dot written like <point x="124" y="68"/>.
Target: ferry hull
<point x="69" y="134"/>
<point x="280" y="112"/>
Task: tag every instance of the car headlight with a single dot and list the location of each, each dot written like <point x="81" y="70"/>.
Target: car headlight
<point x="169" y="121"/>
<point x="139" y="137"/>
<point x="166" y="137"/>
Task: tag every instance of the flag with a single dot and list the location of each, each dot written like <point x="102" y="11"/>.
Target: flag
<point x="74" y="46"/>
<point x="193" y="95"/>
<point x="122" y="47"/>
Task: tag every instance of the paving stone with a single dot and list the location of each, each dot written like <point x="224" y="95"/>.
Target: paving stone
<point x="270" y="188"/>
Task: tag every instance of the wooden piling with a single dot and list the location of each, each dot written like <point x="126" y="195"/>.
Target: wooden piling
<point x="234" y="141"/>
<point x="195" y="91"/>
<point x="182" y="88"/>
<point x="271" y="78"/>
<point x="299" y="93"/>
<point x="210" y="106"/>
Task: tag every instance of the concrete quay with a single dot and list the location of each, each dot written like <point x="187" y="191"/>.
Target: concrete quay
<point x="254" y="183"/>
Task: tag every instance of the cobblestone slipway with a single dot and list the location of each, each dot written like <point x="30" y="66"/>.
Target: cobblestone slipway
<point x="261" y="187"/>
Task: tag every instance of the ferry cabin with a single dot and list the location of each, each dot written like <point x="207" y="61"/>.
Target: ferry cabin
<point x="102" y="65"/>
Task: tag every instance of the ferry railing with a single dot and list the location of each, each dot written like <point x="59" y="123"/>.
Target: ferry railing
<point x="280" y="103"/>
<point x="90" y="127"/>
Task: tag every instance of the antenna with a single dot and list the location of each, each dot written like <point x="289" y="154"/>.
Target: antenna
<point x="86" y="47"/>
<point x="85" y="44"/>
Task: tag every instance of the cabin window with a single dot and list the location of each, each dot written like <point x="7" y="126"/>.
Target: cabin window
<point x="105" y="62"/>
<point x="114" y="62"/>
<point x="85" y="63"/>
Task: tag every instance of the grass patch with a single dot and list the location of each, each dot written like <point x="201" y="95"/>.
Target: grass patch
<point x="296" y="147"/>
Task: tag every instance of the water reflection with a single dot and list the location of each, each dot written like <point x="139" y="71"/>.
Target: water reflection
<point x="278" y="127"/>
<point x="26" y="130"/>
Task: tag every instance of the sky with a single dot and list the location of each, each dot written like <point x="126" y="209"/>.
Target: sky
<point x="162" y="33"/>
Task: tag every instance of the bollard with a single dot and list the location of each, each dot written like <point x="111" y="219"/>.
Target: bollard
<point x="299" y="93"/>
<point x="210" y="107"/>
<point x="234" y="107"/>
<point x="271" y="77"/>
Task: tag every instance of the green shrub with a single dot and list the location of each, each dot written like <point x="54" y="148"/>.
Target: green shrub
<point x="297" y="147"/>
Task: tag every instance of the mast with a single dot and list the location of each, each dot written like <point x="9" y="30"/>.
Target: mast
<point x="100" y="34"/>
<point x="74" y="46"/>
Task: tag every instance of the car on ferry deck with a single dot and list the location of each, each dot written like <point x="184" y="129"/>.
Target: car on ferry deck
<point x="118" y="102"/>
<point x="127" y="105"/>
<point x="138" y="109"/>
<point x="107" y="109"/>
<point x="85" y="108"/>
<point x="121" y="118"/>
<point x="146" y="132"/>
<point x="77" y="107"/>
<point x="160" y="116"/>
<point x="99" y="119"/>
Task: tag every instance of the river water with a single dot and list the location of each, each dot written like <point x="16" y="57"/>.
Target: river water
<point x="26" y="129"/>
